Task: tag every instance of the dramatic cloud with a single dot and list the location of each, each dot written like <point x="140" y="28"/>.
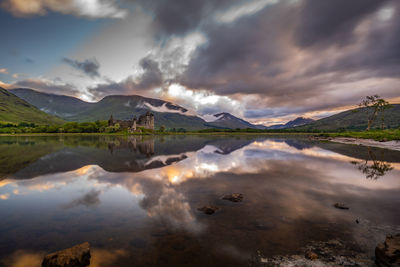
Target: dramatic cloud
<point x="181" y="16"/>
<point x="243" y="56"/>
<point x="272" y="56"/>
<point x="150" y="78"/>
<point x="201" y="101"/>
<point x="91" y="9"/>
<point x="331" y="21"/>
<point x="90" y="66"/>
<point x="261" y="59"/>
<point x="245" y="9"/>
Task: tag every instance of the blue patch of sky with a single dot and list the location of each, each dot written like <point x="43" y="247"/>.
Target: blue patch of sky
<point x="35" y="45"/>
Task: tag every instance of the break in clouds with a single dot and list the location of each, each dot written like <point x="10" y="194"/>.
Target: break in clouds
<point x="260" y="58"/>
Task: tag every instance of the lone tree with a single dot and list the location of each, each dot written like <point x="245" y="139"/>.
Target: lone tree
<point x="374" y="105"/>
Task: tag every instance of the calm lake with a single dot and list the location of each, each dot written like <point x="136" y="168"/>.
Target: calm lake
<point x="136" y="199"/>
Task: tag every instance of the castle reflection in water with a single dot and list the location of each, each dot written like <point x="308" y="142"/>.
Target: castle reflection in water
<point x="144" y="146"/>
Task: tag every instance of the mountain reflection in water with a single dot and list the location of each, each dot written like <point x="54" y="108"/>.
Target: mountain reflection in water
<point x="135" y="199"/>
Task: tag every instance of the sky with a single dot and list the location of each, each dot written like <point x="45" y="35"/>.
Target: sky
<point x="267" y="61"/>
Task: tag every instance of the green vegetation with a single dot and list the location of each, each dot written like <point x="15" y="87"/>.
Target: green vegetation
<point x="16" y="154"/>
<point x="15" y="110"/>
<point x="378" y="135"/>
<point x="70" y="127"/>
<point x="101" y="127"/>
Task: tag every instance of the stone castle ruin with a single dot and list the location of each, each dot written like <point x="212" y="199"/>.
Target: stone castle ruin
<point x="146" y="121"/>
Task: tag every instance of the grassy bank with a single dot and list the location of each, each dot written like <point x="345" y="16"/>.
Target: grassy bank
<point x="378" y="135"/>
<point x="102" y="128"/>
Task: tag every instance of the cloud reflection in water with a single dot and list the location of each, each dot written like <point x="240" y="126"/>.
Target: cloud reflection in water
<point x="289" y="188"/>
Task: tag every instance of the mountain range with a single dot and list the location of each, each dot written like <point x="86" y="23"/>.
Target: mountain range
<point x="121" y="107"/>
<point x="27" y="105"/>
<point x="228" y="121"/>
<point x="294" y="123"/>
<point x="15" y="110"/>
<point x="124" y="107"/>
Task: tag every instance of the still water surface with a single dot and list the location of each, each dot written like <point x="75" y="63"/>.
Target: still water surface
<point x="135" y="199"/>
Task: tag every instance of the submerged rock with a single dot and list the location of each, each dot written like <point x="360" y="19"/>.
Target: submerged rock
<point x="341" y="206"/>
<point x="235" y="197"/>
<point x="77" y="256"/>
<point x="208" y="209"/>
<point x="388" y="253"/>
<point x="311" y="255"/>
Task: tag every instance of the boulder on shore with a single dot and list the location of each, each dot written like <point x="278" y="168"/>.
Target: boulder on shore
<point x="77" y="256"/>
<point x="388" y="253"/>
<point x="235" y="197"/>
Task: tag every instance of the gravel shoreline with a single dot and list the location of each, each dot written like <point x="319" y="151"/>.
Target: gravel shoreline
<point x="393" y="145"/>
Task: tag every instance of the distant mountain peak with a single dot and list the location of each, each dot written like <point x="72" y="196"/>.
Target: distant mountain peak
<point x="299" y="121"/>
<point x="226" y="120"/>
<point x="225" y="116"/>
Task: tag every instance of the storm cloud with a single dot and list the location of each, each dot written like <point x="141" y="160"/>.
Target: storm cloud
<point x="331" y="22"/>
<point x="151" y="77"/>
<point x="305" y="54"/>
<point x="258" y="59"/>
<point x="287" y="57"/>
<point x="89" y="67"/>
<point x="177" y="17"/>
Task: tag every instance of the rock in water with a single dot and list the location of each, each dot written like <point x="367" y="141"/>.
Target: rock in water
<point x="77" y="256"/>
<point x="341" y="206"/>
<point x="235" y="197"/>
<point x="208" y="209"/>
<point x="388" y="253"/>
<point x="311" y="255"/>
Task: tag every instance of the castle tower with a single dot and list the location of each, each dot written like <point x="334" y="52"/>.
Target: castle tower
<point x="151" y="121"/>
<point x="147" y="121"/>
<point x="111" y="121"/>
<point x="134" y="123"/>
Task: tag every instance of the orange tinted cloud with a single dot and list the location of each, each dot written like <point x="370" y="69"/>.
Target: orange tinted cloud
<point x="92" y="9"/>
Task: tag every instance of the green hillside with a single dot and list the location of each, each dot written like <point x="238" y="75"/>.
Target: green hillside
<point x="15" y="110"/>
<point x="57" y="105"/>
<point x="355" y="119"/>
